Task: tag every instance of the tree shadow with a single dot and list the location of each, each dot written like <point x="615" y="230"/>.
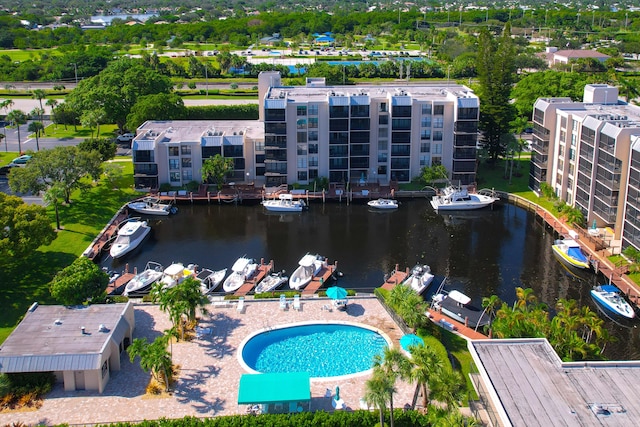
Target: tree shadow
<point x="222" y="325"/>
<point x="192" y="390"/>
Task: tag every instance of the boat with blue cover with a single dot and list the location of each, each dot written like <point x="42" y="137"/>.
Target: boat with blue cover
<point x="569" y="252"/>
<point x="610" y="299"/>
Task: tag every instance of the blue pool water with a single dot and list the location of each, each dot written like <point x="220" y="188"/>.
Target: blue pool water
<point x="322" y="350"/>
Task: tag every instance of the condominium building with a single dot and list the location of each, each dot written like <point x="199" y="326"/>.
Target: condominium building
<point x="368" y="133"/>
<point x="588" y="153"/>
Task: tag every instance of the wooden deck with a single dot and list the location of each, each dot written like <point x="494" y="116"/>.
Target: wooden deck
<point x="395" y="278"/>
<point x="261" y="272"/>
<point x="318" y="280"/>
<point x="460" y="328"/>
<point x="117" y="286"/>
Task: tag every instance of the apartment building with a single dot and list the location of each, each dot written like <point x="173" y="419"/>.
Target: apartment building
<point x="588" y="153"/>
<point x="368" y="133"/>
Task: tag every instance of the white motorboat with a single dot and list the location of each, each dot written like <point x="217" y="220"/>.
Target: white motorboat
<point x="308" y="266"/>
<point x="130" y="235"/>
<point x="569" y="252"/>
<point x="608" y="296"/>
<point x="457" y="306"/>
<point x="284" y="203"/>
<point x="141" y="283"/>
<point x="456" y="198"/>
<point x="241" y="271"/>
<point x="176" y="273"/>
<point x="152" y="206"/>
<point x="271" y="282"/>
<point x="385" y="204"/>
<point x="420" y="278"/>
<point x="210" y="280"/>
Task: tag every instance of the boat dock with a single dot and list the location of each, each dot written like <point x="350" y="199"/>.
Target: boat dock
<point x="396" y="277"/>
<point x="319" y="280"/>
<point x="262" y="270"/>
<point x="117" y="286"/>
<point x="453" y="325"/>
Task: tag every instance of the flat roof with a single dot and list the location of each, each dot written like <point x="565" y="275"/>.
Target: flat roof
<point x="274" y="388"/>
<point x="194" y="130"/>
<point x="531" y="386"/>
<point x="50" y="337"/>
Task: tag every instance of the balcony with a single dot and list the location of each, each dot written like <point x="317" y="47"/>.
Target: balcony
<point x="145" y="169"/>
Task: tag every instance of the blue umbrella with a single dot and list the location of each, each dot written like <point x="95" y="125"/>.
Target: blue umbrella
<point x="336" y="292"/>
<point x="410" y="340"/>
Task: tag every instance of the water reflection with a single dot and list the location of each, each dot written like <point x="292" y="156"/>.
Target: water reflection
<point x="481" y="253"/>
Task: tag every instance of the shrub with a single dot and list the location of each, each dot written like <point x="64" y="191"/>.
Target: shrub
<point x="275" y="294"/>
<point x="154" y="387"/>
<point x="191" y="85"/>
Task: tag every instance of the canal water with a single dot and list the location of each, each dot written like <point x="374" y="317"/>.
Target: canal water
<point x="479" y="253"/>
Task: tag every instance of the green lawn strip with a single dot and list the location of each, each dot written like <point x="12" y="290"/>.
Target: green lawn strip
<point x="24" y="281"/>
<point x="68" y="131"/>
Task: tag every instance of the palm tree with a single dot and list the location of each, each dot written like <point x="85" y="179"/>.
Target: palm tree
<point x="19" y="118"/>
<point x="393" y="364"/>
<point x="425" y="363"/>
<point x="153" y="357"/>
<point x="39" y="94"/>
<point x="490" y="305"/>
<point x="377" y="390"/>
<point x="182" y="299"/>
<point x="53" y="195"/>
<point x="524" y="298"/>
<point x="36" y="128"/>
<point x="447" y="386"/>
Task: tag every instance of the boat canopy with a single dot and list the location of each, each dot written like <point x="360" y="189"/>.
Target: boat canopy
<point x="240" y="265"/>
<point x="609" y="288"/>
<point x="459" y="297"/>
<point x="286" y="197"/>
<point x="174" y="269"/>
<point x="307" y="260"/>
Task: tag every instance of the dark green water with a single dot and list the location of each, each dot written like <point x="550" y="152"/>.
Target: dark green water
<point x="480" y="252"/>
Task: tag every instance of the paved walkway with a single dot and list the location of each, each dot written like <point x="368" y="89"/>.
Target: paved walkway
<point x="209" y="368"/>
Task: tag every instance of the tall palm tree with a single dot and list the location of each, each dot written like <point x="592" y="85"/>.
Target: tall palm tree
<point x="39" y="94"/>
<point x="153" y="357"/>
<point x="490" y="306"/>
<point x="395" y="365"/>
<point x="377" y="390"/>
<point x="36" y="128"/>
<point x="425" y="363"/>
<point x="19" y="118"/>
<point x="447" y="386"/>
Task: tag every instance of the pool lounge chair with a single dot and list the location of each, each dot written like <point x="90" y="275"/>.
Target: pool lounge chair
<point x="240" y="306"/>
<point x="283" y="302"/>
<point x="296" y="302"/>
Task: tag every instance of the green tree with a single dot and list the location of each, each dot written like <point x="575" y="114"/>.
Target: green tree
<point x="105" y="146"/>
<point x="161" y="106"/>
<point x="36" y="128"/>
<point x="447" y="386"/>
<point x="113" y="173"/>
<point x="52" y="196"/>
<point x="183" y="299"/>
<point x="17" y="117"/>
<point x="394" y="365"/>
<point x="23" y="227"/>
<point x="409" y="305"/>
<point x="64" y="166"/>
<point x="425" y="363"/>
<point x="377" y="390"/>
<point x="154" y="357"/>
<point x="216" y="168"/>
<point x="79" y="282"/>
<point x="430" y="174"/>
<point x="496" y="75"/>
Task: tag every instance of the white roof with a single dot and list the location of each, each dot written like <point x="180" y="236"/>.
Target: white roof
<point x="459" y="297"/>
<point x="174" y="269"/>
<point x="307" y="260"/>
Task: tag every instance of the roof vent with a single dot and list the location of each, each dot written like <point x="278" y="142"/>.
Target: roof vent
<point x="57" y="322"/>
<point x="82" y="330"/>
<point x="33" y="307"/>
<point x="102" y="328"/>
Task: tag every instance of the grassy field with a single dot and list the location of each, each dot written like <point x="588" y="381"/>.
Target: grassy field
<point x="24" y="281"/>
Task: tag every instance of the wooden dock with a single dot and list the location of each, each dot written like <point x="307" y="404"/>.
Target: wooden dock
<point x="262" y="270"/>
<point x="396" y="277"/>
<point x="117" y="286"/>
<point x="319" y="280"/>
<point x="436" y="317"/>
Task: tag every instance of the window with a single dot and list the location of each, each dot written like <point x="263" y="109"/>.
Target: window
<point x="274" y="115"/>
<point x="301" y="110"/>
<point x="301" y="123"/>
<point x="437" y="135"/>
<point x="302" y="149"/>
<point x="312" y="109"/>
<point x="313" y="148"/>
<point x="187" y="175"/>
<point x="425" y="160"/>
<point x="302" y="137"/>
<point x="232" y="151"/>
<point x="259" y="145"/>
<point x="313" y="135"/>
<point x="313" y="123"/>
<point x="186" y="162"/>
<point x="313" y="161"/>
<point x="174" y="151"/>
<point x="174" y="164"/>
<point x="383" y="107"/>
<point x="438" y="110"/>
<point x="425" y="147"/>
<point x="174" y="176"/>
<point x="185" y="150"/>
<point x="438" y="122"/>
<point x="302" y="175"/>
<point x="383" y="145"/>
<point x="426" y="109"/>
<point x="425" y="134"/>
<point x="302" y="162"/>
<point x="437" y="148"/>
<point x="383" y="132"/>
<point x="425" y="122"/>
<point x="383" y="120"/>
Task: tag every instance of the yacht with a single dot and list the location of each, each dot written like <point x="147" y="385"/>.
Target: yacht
<point x="151" y="206"/>
<point x="569" y="252"/>
<point x="130" y="235"/>
<point x="385" y="204"/>
<point x="284" y="203"/>
<point x="308" y="266"/>
<point x="457" y="306"/>
<point x="241" y="271"/>
<point x="420" y="278"/>
<point x="141" y="283"/>
<point x="176" y="273"/>
<point x="456" y="198"/>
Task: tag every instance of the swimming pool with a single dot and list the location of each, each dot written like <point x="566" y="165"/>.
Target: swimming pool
<point x="321" y="349"/>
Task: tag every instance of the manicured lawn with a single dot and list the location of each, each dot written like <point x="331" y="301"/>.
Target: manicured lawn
<point x="24" y="281"/>
<point x="61" y="131"/>
<point x="24" y="55"/>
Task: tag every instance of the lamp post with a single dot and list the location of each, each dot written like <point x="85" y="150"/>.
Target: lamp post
<point x="75" y="70"/>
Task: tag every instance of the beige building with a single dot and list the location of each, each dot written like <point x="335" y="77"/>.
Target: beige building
<point x="80" y="345"/>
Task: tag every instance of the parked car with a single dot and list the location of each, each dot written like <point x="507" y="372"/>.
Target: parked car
<point x="4" y="170"/>
<point x="125" y="137"/>
<point x="22" y="160"/>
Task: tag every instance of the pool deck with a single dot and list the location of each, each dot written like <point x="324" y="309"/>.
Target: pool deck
<point x="209" y="369"/>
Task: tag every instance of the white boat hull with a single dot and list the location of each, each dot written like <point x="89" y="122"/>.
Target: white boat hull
<point x="309" y="266"/>
<point x="141" y="283"/>
<point x="243" y="269"/>
<point x="271" y="282"/>
<point x="383" y="204"/>
<point x="459" y="199"/>
<point x="613" y="302"/>
<point x="147" y="211"/>
<point x="278" y="206"/>
<point x="118" y="249"/>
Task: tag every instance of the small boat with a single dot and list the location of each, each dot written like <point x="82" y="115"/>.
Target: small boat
<point x="457" y="306"/>
<point x="610" y="298"/>
<point x="308" y="266"/>
<point x="141" y="283"/>
<point x="420" y="278"/>
<point x="569" y="252"/>
<point x="386" y="204"/>
<point x="457" y="198"/>
<point x="130" y="235"/>
<point x="152" y="206"/>
<point x="271" y="282"/>
<point x="284" y="203"/>
<point x="175" y="274"/>
<point x="241" y="271"/>
<point x="210" y="280"/>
